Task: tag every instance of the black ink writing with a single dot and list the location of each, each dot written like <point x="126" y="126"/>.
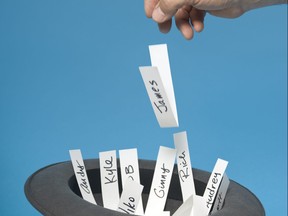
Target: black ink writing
<point x="128" y="207"/>
<point x="160" y="190"/>
<point x="183" y="168"/>
<point x="212" y="190"/>
<point x="84" y="182"/>
<point x="220" y="200"/>
<point x="111" y="172"/>
<point x="129" y="170"/>
<point x="159" y="103"/>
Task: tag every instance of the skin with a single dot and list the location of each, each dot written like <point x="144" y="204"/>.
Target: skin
<point x="189" y="14"/>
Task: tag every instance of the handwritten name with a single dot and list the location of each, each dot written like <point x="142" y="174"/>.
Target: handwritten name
<point x="184" y="170"/>
<point x="129" y="170"/>
<point x="160" y="191"/>
<point x="160" y="103"/>
<point x="212" y="191"/>
<point x="83" y="184"/>
<point x="129" y="206"/>
<point x="111" y="172"/>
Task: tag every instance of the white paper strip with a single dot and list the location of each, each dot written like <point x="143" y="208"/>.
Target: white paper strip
<point x="81" y="175"/>
<point x="198" y="208"/>
<point x="159" y="86"/>
<point x="164" y="213"/>
<point x="219" y="201"/>
<point x="186" y="208"/>
<point x="213" y="184"/>
<point x="109" y="179"/>
<point x="130" y="197"/>
<point x="158" y="97"/>
<point x="160" y="59"/>
<point x="184" y="165"/>
<point x="161" y="181"/>
<point x="130" y="170"/>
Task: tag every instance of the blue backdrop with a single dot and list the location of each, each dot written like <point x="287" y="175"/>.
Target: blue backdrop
<point x="69" y="79"/>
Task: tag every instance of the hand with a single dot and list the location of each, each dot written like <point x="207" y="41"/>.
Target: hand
<point x="189" y="14"/>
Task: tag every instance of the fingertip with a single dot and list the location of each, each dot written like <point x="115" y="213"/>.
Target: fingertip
<point x="165" y="26"/>
<point x="197" y="19"/>
<point x="184" y="27"/>
<point x="188" y="35"/>
<point x="148" y="15"/>
<point x="198" y="26"/>
<point x="186" y="31"/>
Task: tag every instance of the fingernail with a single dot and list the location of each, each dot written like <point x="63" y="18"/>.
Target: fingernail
<point x="158" y="15"/>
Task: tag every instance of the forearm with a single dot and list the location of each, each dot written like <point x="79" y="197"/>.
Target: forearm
<point x="253" y="4"/>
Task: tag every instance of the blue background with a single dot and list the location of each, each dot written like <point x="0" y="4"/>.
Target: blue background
<point x="69" y="79"/>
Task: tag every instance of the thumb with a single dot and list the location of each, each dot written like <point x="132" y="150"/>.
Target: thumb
<point x="166" y="9"/>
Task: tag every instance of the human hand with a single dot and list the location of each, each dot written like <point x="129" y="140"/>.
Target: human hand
<point x="189" y="14"/>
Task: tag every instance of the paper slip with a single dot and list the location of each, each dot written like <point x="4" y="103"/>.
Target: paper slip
<point x="219" y="201"/>
<point x="81" y="175"/>
<point x="164" y="213"/>
<point x="213" y="184"/>
<point x="186" y="208"/>
<point x="109" y="179"/>
<point x="184" y="165"/>
<point x="161" y="181"/>
<point x="158" y="97"/>
<point x="130" y="170"/>
<point x="193" y="206"/>
<point x="159" y="86"/>
<point x="130" y="197"/>
<point x="198" y="208"/>
<point x="160" y="59"/>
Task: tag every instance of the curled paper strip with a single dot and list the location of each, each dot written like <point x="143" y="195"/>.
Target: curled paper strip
<point x="130" y="170"/>
<point x="213" y="184"/>
<point x="130" y="197"/>
<point x="221" y="194"/>
<point x="158" y="82"/>
<point x="186" y="208"/>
